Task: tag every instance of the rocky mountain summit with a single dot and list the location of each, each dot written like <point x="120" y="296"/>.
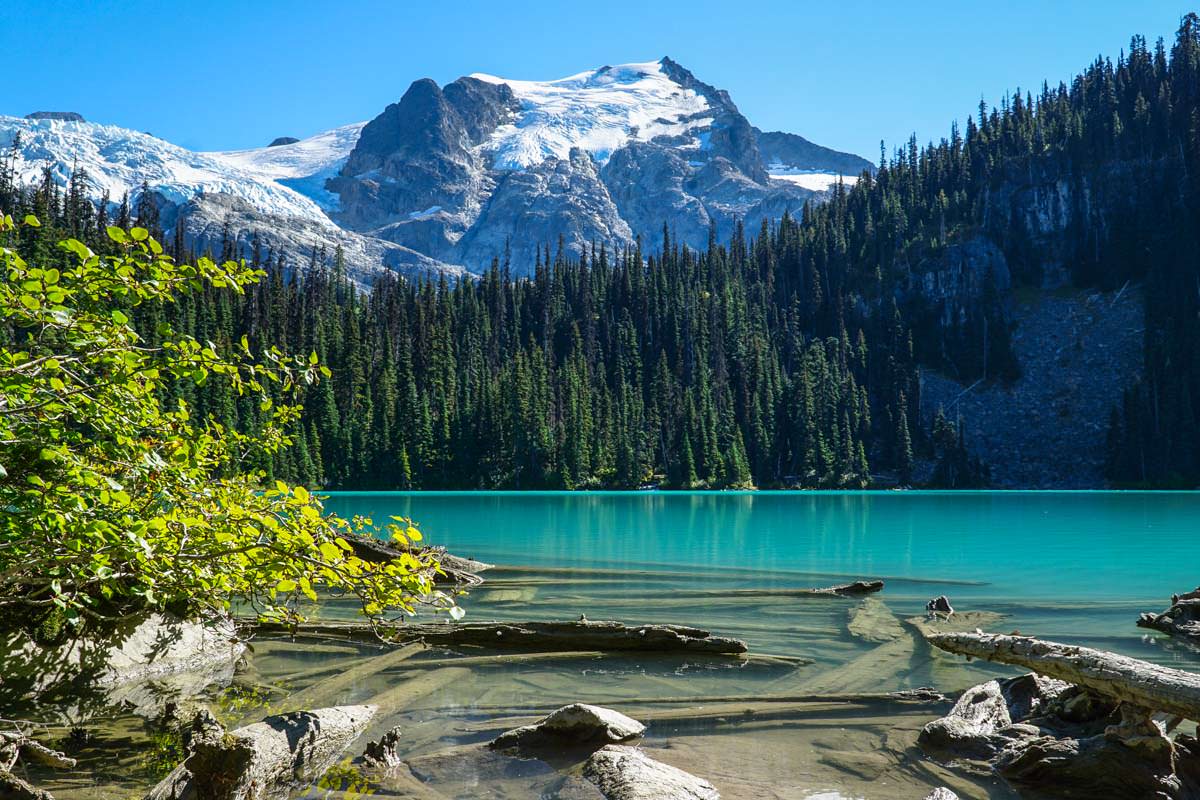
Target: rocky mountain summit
<point x="451" y="177"/>
<point x="486" y="165"/>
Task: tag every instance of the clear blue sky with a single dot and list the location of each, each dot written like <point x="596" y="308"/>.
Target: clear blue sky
<point x="845" y="73"/>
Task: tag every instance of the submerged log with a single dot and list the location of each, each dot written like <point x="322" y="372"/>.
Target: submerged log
<point x="1182" y="619"/>
<point x="267" y="760"/>
<point x="1128" y="680"/>
<point x="581" y="634"/>
<point x="852" y="589"/>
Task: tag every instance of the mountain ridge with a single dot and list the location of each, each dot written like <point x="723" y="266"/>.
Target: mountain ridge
<point x="450" y="177"/>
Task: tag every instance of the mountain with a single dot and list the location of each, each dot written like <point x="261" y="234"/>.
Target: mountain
<point x="450" y="178"/>
<point x="244" y="193"/>
<point x="486" y="165"/>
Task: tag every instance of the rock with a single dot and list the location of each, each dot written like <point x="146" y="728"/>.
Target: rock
<point x="101" y="667"/>
<point x="382" y="753"/>
<point x="982" y="721"/>
<point x="626" y="773"/>
<point x="282" y="140"/>
<point x="940" y="605"/>
<point x="571" y="726"/>
<point x="941" y="793"/>
<point x="64" y="116"/>
<point x="266" y="760"/>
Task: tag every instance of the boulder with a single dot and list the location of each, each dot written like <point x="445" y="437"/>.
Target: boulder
<point x="941" y="793"/>
<point x="572" y="726"/>
<point x="989" y="716"/>
<point x="267" y="760"/>
<point x="626" y="773"/>
<point x="100" y="668"/>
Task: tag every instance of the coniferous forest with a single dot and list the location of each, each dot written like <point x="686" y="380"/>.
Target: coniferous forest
<point x="784" y="356"/>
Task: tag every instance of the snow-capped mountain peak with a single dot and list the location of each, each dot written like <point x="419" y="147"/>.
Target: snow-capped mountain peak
<point x="598" y="111"/>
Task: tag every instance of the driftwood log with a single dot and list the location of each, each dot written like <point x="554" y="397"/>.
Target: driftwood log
<point x="1128" y="680"/>
<point x="1182" y="619"/>
<point x="462" y="571"/>
<point x="267" y="760"/>
<point x="528" y="636"/>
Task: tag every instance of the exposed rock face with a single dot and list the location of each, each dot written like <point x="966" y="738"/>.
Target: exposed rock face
<point x="789" y="151"/>
<point x="572" y="726"/>
<point x="486" y="167"/>
<point x="65" y="116"/>
<point x="626" y="773"/>
<point x="415" y="176"/>
<point x="957" y="277"/>
<point x="1077" y="352"/>
<point x="266" y="760"/>
<point x="282" y="140"/>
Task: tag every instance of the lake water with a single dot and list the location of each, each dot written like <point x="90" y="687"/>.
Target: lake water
<point x="1079" y="565"/>
<point x="801" y="719"/>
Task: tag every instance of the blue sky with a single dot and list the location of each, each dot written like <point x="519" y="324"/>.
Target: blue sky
<point x="223" y="74"/>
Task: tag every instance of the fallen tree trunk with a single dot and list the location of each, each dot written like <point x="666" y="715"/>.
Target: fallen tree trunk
<point x="853" y="589"/>
<point x="1125" y="679"/>
<point x="267" y="760"/>
<point x="462" y="571"/>
<point x="528" y="636"/>
<point x="1181" y="619"/>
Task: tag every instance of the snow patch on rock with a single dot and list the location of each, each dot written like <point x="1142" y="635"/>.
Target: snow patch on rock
<point x="598" y="111"/>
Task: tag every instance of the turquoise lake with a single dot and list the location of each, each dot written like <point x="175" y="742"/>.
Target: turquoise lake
<point x="811" y="712"/>
<point x="1078" y="566"/>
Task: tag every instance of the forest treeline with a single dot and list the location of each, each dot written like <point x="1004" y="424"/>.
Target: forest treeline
<point x="786" y="356"/>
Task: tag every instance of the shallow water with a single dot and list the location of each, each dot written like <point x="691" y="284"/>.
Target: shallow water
<point x="1075" y="567"/>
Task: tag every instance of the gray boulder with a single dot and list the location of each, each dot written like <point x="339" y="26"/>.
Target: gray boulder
<point x="572" y="726"/>
<point x="626" y="773"/>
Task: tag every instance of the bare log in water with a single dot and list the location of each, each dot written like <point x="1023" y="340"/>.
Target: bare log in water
<point x="462" y="571"/>
<point x="1182" y="619"/>
<point x="528" y="636"/>
<point x="1128" y="680"/>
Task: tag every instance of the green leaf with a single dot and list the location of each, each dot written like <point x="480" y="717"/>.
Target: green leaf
<point x="286" y="585"/>
<point x="119" y="318"/>
<point x="139" y="234"/>
<point x="30" y="302"/>
<point x="32" y="221"/>
<point x="117" y="235"/>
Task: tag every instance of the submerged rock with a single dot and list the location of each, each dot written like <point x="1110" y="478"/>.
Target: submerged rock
<point x="626" y="773"/>
<point x="266" y="760"/>
<point x="572" y="726"/>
